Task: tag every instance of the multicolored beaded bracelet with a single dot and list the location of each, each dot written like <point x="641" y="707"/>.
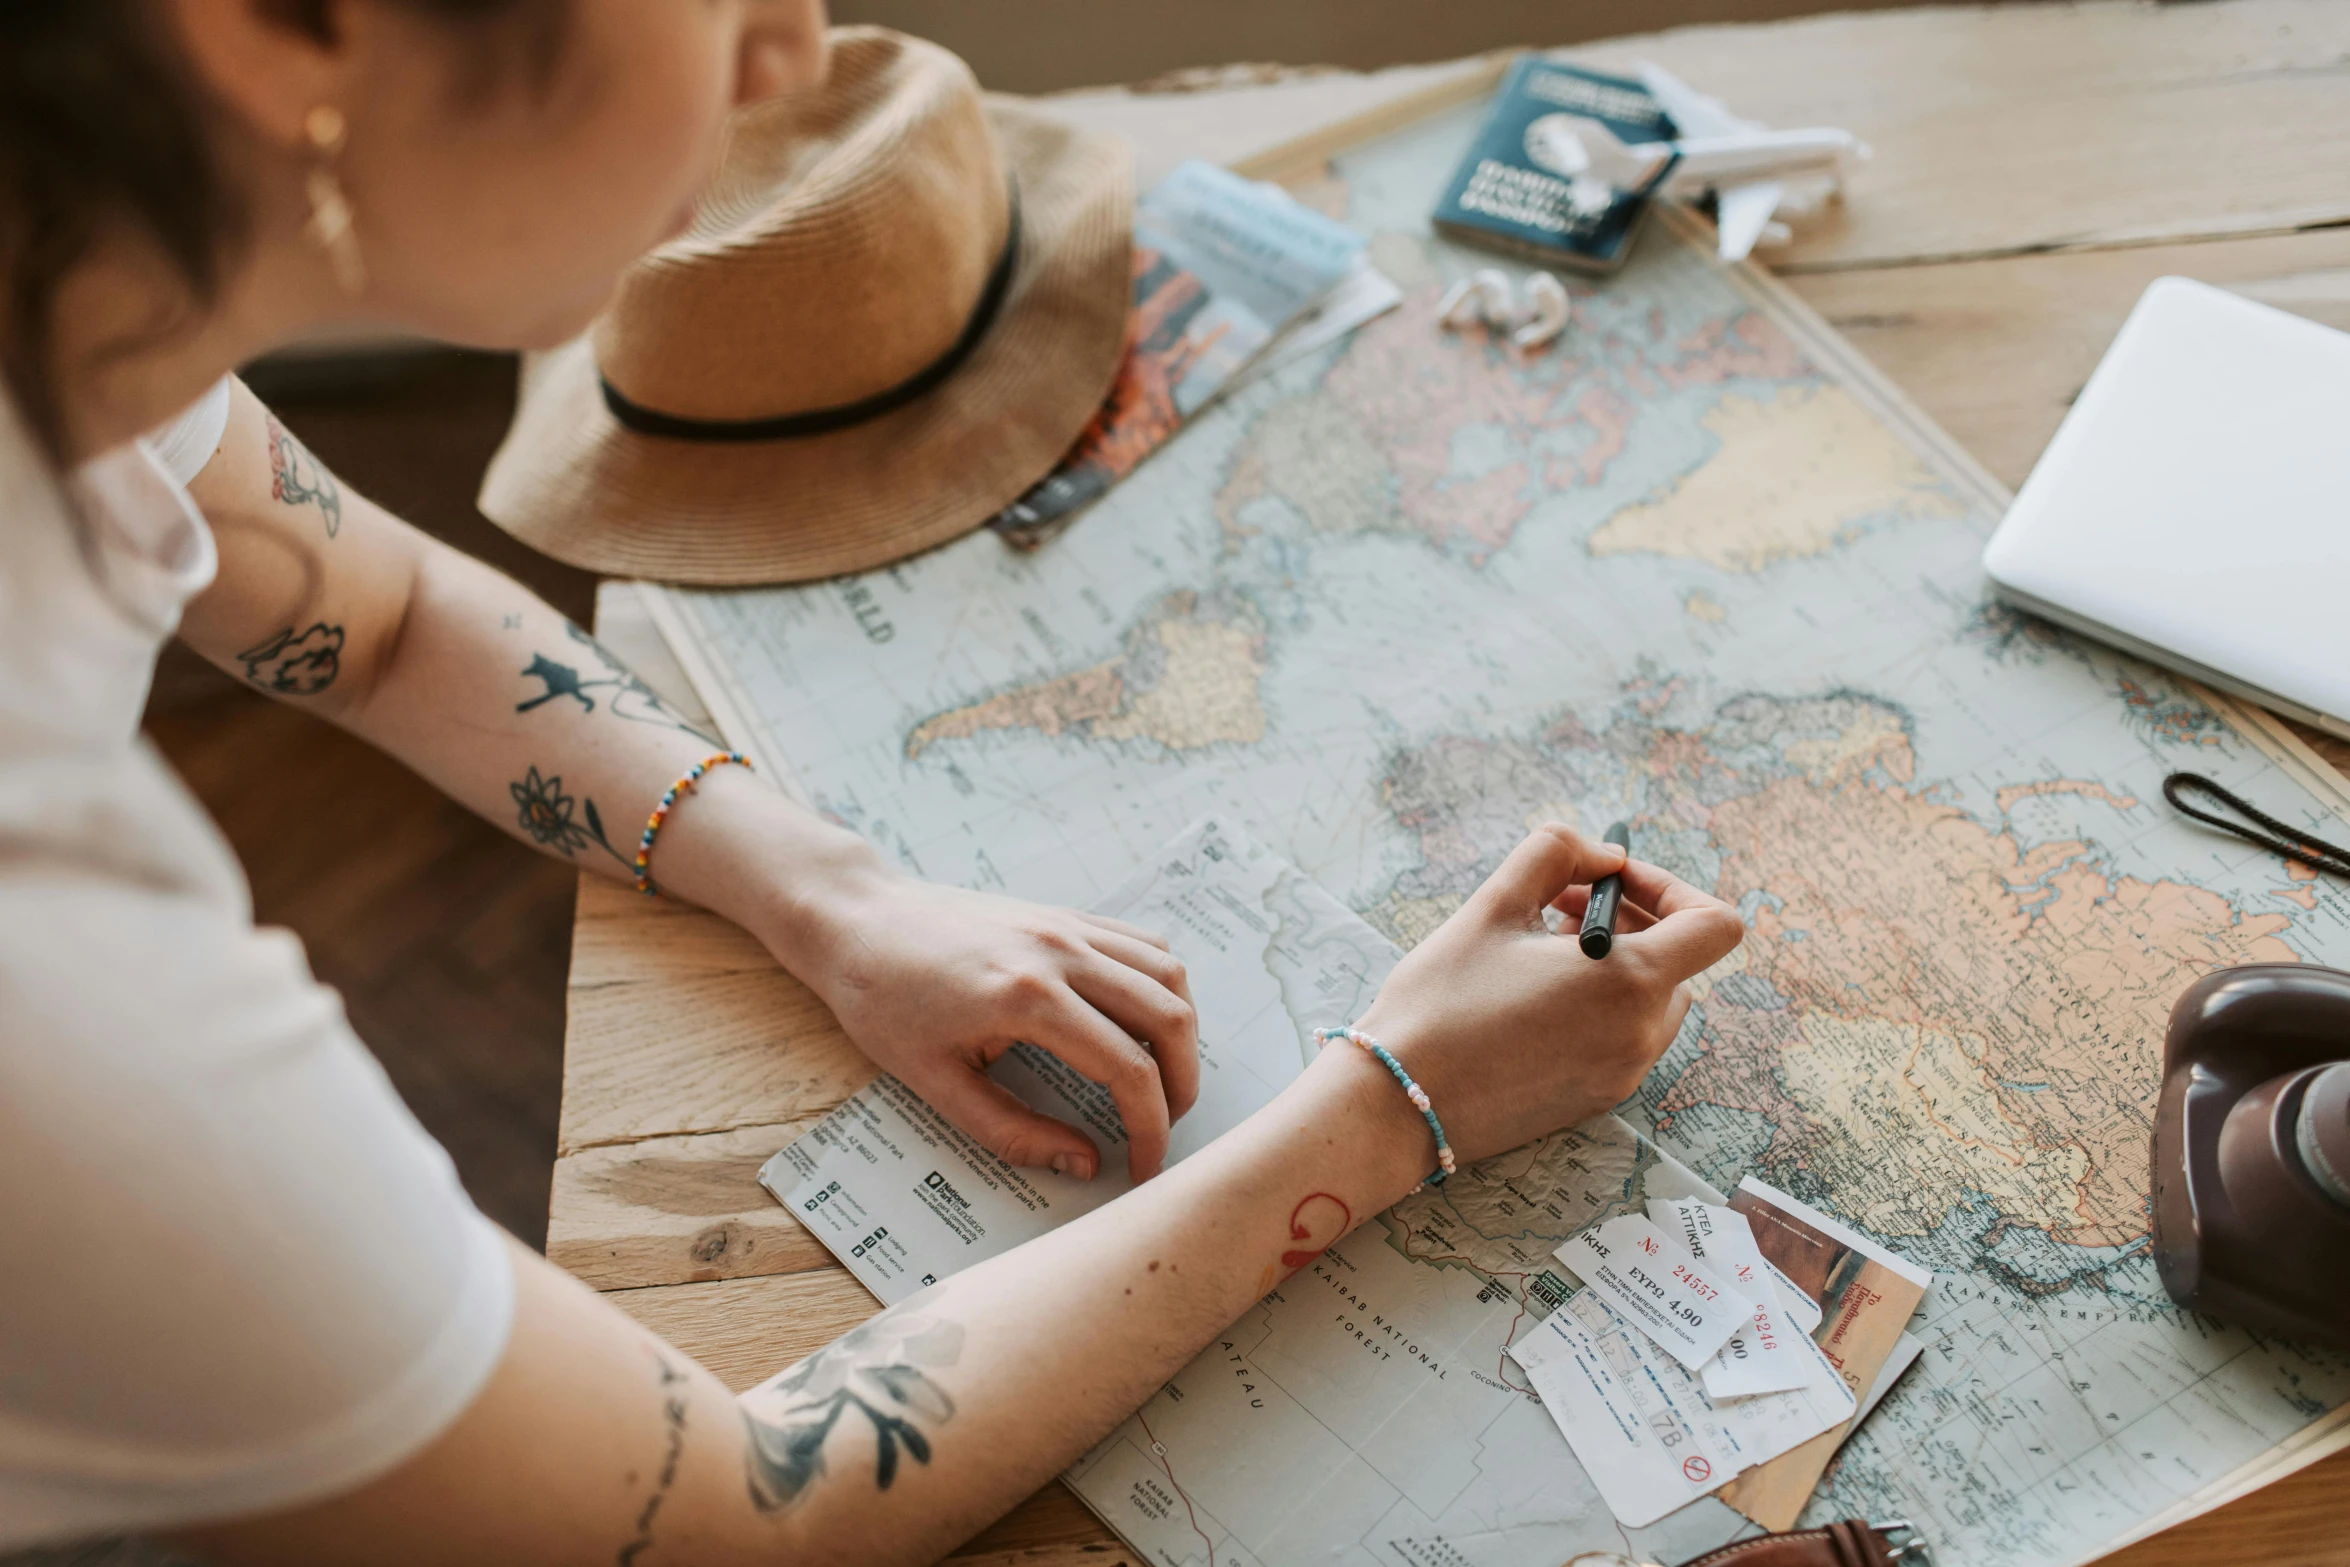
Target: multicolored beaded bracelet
<point x="669" y="798"/>
<point x="1412" y="1091"/>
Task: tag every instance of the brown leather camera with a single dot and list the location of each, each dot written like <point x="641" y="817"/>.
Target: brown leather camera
<point x="2252" y="1151"/>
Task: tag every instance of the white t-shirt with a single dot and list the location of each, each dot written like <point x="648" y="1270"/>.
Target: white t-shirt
<point x="235" y="1274"/>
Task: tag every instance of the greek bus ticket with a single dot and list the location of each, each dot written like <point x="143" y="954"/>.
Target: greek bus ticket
<point x="1658" y="1286"/>
<point x="1761" y="1356"/>
<point x="1642" y="1426"/>
<point x="1639" y="1424"/>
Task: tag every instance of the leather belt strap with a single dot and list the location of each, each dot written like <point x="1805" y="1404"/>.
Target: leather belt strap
<point x="1848" y="1543"/>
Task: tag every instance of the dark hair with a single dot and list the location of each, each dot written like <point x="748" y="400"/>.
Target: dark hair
<point x="102" y="123"/>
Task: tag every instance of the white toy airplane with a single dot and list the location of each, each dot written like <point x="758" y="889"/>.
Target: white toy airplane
<point x="1757" y="174"/>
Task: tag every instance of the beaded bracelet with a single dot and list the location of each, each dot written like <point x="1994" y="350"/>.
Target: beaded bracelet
<point x="1412" y="1091"/>
<point x="669" y="798"/>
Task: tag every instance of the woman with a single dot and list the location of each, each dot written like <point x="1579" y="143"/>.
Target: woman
<point x="245" y="1302"/>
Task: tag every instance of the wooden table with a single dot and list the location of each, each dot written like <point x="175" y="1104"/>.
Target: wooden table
<point x="2035" y="168"/>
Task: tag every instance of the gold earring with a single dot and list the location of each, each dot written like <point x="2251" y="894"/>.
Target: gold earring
<point x="331" y="227"/>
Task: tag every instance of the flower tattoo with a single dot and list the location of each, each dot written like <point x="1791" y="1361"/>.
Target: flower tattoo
<point x="296" y="663"/>
<point x="546" y="814"/>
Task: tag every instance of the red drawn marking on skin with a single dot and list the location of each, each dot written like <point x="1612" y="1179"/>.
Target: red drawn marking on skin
<point x="1299" y="1231"/>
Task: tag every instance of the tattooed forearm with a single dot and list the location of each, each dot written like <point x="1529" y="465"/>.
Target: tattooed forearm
<point x="876" y="1370"/>
<point x="546" y="813"/>
<point x="609" y="682"/>
<point x="298" y="479"/>
<point x="673" y="1386"/>
<point x="296" y="663"/>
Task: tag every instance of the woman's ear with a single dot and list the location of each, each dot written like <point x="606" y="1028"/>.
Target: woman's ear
<point x="783" y="49"/>
<point x="257" y="60"/>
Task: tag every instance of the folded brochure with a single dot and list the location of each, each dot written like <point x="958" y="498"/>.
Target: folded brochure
<point x="1222" y="265"/>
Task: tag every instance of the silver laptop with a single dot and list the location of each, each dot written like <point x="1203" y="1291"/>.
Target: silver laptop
<point x="2194" y="506"/>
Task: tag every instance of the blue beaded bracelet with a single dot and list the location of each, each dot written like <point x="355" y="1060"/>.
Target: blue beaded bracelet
<point x="1412" y="1091"/>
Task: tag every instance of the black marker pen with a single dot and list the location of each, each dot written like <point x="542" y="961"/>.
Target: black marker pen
<point x="1607" y="894"/>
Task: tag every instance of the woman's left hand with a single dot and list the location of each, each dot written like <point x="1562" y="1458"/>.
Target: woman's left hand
<point x="934" y="983"/>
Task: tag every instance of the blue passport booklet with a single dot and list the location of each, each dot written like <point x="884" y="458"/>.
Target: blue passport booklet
<point x="1530" y="182"/>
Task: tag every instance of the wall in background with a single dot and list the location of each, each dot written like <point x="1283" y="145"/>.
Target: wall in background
<point x="1048" y="45"/>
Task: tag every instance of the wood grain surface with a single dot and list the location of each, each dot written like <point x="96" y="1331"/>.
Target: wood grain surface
<point x="2071" y="154"/>
<point x="2003" y="130"/>
<point x="1996" y="350"/>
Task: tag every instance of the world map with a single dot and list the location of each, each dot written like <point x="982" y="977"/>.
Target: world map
<point x="1693" y="568"/>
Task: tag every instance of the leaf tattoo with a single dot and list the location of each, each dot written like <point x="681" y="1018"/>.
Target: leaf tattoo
<point x="625" y="694"/>
<point x="296" y="663"/>
<point x="876" y="1370"/>
<point x="298" y="479"/>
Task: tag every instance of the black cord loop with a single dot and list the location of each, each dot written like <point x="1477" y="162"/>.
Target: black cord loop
<point x="2289" y="841"/>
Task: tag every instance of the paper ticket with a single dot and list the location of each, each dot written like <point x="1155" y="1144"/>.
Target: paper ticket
<point x="1761" y="1356"/>
<point x="1658" y="1286"/>
<point x="1638" y="1423"/>
<point x="1719" y="1237"/>
<point x="1643" y="1427"/>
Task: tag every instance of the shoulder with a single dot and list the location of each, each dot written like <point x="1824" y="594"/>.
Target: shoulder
<point x="94" y="570"/>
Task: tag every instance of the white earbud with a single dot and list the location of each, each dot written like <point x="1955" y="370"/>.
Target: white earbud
<point x="1481" y="298"/>
<point x="1486" y="298"/>
<point x="1547" y="312"/>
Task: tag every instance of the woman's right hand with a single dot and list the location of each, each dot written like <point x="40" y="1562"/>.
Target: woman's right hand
<point x="1511" y="1029"/>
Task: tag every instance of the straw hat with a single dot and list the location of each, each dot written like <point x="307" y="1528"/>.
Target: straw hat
<point x="898" y="306"/>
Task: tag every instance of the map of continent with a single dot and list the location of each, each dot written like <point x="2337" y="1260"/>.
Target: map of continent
<point x="1189" y="680"/>
<point x="1796" y="473"/>
<point x="1924" y="1010"/>
<point x="1694" y="568"/>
